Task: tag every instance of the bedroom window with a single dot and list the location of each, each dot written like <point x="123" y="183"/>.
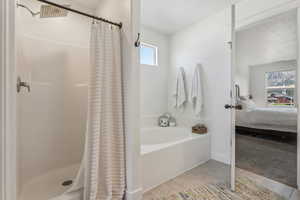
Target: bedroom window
<point x="148" y="54"/>
<point x="280" y="88"/>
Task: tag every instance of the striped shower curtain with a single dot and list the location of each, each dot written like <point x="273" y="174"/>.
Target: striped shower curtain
<point x="102" y="173"/>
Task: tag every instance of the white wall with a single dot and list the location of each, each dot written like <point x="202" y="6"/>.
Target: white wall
<point x="154" y="79"/>
<point x="206" y="43"/>
<point x="53" y="56"/>
<point x="271" y="40"/>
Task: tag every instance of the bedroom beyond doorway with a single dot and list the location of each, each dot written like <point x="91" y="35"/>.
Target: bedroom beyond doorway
<point x="266" y="79"/>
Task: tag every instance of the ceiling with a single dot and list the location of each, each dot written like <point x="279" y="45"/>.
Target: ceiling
<point x="169" y="16"/>
<point x="92" y="4"/>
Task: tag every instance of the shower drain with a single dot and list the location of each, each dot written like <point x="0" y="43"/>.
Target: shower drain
<point x="67" y="183"/>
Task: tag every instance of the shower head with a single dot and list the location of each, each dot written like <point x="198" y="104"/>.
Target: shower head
<point x="47" y="11"/>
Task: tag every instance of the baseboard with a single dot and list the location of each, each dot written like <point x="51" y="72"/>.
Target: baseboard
<point x="134" y="195"/>
<point x="221" y="158"/>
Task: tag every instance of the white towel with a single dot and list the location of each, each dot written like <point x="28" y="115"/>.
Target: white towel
<point x="196" y="92"/>
<point x="180" y="90"/>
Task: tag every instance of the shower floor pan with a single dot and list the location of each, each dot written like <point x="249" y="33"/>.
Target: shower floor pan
<point x="49" y="186"/>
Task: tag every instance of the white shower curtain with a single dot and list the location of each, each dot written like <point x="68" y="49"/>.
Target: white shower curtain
<point x="102" y="173"/>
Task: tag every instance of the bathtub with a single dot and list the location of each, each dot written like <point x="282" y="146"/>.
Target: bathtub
<point x="169" y="152"/>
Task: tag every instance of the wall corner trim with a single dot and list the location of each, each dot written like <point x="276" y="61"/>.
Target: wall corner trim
<point x="223" y="158"/>
<point x="8" y="182"/>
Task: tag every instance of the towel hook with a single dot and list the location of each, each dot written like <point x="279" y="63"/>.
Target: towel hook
<point x="21" y="84"/>
<point x="138" y="42"/>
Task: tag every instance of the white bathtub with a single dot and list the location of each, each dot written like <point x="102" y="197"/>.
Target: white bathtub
<point x="169" y="152"/>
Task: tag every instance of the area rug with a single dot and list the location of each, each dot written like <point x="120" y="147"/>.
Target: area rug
<point x="246" y="189"/>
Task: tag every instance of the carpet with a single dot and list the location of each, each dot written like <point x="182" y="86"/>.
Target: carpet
<point x="246" y="189"/>
<point x="272" y="159"/>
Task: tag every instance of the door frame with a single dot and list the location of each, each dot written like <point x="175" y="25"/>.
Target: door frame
<point x="233" y="98"/>
<point x="8" y="181"/>
<point x="240" y="24"/>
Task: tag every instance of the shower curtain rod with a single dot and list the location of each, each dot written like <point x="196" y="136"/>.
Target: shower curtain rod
<point x="81" y="13"/>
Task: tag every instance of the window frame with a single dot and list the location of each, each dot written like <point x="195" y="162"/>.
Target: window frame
<point x="147" y="44"/>
<point x="266" y="88"/>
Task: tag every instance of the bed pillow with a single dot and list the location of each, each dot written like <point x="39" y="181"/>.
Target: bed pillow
<point x="250" y="104"/>
<point x="247" y="104"/>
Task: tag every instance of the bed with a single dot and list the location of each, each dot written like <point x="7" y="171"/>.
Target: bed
<point x="282" y="119"/>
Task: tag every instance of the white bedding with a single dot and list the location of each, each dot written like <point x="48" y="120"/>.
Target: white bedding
<point x="275" y="118"/>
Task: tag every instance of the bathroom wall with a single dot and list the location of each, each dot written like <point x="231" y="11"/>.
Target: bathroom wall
<point x="154" y="79"/>
<point x="268" y="41"/>
<point x="53" y="56"/>
<point x="206" y="44"/>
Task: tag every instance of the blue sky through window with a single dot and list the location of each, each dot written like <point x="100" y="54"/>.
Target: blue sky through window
<point x="148" y="55"/>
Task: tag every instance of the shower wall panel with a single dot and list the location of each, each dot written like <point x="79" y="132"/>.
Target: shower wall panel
<point x="53" y="56"/>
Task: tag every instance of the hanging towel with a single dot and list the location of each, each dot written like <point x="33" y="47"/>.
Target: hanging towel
<point x="180" y="90"/>
<point x="196" y="91"/>
<point x="102" y="172"/>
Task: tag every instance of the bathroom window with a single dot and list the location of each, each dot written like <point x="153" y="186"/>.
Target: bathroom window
<point x="148" y="54"/>
<point x="280" y="88"/>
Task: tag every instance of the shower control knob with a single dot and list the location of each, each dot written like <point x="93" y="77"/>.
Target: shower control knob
<point x="21" y="84"/>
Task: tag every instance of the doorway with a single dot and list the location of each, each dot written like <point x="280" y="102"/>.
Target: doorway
<point x="266" y="89"/>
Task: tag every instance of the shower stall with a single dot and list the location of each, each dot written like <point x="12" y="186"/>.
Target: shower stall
<point x="53" y="64"/>
<point x="53" y="59"/>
